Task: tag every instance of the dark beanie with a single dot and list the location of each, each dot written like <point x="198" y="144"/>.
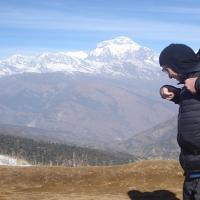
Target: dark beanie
<point x="181" y="58"/>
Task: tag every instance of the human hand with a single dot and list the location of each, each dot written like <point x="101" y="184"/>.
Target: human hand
<point x="190" y="84"/>
<point x="166" y="93"/>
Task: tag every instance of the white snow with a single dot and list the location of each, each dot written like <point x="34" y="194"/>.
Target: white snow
<point x="77" y="54"/>
<point x="115" y="48"/>
<point x="7" y="160"/>
<point x="119" y="56"/>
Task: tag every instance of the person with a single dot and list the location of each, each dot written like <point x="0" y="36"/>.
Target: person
<point x="181" y="63"/>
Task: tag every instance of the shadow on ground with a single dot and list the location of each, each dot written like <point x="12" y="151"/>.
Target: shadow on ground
<point x="155" y="195"/>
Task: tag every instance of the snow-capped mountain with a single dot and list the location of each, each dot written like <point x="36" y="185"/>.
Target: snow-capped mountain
<point x="121" y="49"/>
<point x="120" y="57"/>
<point x="94" y="109"/>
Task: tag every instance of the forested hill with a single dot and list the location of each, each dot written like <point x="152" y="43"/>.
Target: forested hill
<point x="47" y="153"/>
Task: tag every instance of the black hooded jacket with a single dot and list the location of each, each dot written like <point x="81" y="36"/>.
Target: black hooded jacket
<point x="181" y="58"/>
<point x="185" y="62"/>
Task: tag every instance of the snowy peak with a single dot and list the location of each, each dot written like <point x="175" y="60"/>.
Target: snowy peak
<point x="62" y="55"/>
<point x="118" y="41"/>
<point x="120" y="48"/>
<point x="121" y="57"/>
<point x="115" y="48"/>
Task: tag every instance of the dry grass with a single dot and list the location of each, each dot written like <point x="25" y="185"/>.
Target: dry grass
<point x="142" y="180"/>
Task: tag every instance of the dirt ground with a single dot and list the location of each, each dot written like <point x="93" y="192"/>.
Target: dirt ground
<point x="143" y="180"/>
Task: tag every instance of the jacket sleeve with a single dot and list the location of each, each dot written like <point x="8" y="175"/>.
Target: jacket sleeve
<point x="197" y="85"/>
<point x="176" y="91"/>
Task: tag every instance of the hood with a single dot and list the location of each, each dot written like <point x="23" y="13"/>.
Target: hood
<point x="181" y="58"/>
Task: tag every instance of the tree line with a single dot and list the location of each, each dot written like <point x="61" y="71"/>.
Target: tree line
<point x="48" y="153"/>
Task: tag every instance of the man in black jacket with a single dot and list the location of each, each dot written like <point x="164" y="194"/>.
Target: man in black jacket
<point x="181" y="63"/>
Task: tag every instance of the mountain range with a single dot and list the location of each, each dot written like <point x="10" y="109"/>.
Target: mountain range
<point x="95" y="98"/>
<point x="119" y="57"/>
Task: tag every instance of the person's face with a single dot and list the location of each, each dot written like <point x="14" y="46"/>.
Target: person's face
<point x="170" y="72"/>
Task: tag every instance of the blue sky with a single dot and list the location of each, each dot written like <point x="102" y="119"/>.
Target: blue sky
<point x="35" y="26"/>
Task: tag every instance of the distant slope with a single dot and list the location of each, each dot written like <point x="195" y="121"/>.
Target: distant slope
<point x="36" y="134"/>
<point x="156" y="180"/>
<point x="157" y="142"/>
<point x="39" y="152"/>
<point x="82" y="110"/>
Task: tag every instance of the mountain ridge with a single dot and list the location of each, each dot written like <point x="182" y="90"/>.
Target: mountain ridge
<point x="118" y="57"/>
<point x="95" y="98"/>
<point x="93" y="110"/>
